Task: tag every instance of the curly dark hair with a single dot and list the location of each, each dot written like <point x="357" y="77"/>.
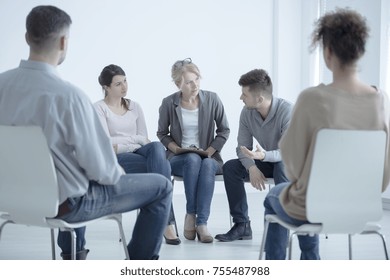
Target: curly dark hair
<point x="344" y="32"/>
<point x="258" y="81"/>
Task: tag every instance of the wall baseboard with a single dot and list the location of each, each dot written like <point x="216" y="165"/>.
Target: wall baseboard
<point x="386" y="203"/>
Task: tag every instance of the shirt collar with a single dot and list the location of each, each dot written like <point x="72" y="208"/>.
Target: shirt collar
<point x="38" y="65"/>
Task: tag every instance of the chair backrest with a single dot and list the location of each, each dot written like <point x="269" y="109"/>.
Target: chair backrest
<point x="28" y="183"/>
<point x="345" y="184"/>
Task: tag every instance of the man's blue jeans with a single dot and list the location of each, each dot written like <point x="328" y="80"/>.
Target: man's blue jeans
<point x="150" y="158"/>
<point x="277" y="236"/>
<point x="235" y="176"/>
<point x="199" y="179"/>
<point x="151" y="193"/>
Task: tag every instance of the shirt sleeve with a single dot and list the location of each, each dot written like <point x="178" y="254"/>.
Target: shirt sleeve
<point x="285" y="117"/>
<point x="163" y="132"/>
<point x="244" y="138"/>
<point x="296" y="141"/>
<point x="92" y="146"/>
<point x="102" y="117"/>
<point x="141" y="123"/>
<point x="221" y="121"/>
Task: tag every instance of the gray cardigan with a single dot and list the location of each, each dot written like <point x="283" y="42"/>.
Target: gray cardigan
<point x="211" y="114"/>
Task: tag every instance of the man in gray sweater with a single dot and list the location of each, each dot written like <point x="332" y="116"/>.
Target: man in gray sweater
<point x="264" y="118"/>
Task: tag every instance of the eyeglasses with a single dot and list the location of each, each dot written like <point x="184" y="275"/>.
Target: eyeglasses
<point x="181" y="63"/>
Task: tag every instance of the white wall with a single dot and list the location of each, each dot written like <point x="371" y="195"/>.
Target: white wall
<point x="225" y="38"/>
<point x="370" y="62"/>
<point x="385" y="65"/>
<point x="293" y="62"/>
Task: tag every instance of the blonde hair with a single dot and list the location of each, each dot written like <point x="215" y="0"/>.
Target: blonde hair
<point x="182" y="66"/>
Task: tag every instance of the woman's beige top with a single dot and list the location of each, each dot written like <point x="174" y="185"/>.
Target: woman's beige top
<point x="326" y="107"/>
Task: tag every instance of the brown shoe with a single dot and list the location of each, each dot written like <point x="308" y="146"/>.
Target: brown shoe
<point x="189" y="226"/>
<point x="203" y="234"/>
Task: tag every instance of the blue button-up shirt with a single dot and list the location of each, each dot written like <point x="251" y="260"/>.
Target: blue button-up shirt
<point x="34" y="94"/>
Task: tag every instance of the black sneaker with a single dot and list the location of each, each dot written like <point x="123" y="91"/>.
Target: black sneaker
<point x="240" y="231"/>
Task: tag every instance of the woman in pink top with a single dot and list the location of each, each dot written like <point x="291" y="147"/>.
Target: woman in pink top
<point x="124" y="122"/>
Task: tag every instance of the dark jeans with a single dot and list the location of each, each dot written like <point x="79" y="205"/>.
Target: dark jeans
<point x="235" y="176"/>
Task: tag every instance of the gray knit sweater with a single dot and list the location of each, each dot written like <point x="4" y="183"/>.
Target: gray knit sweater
<point x="266" y="132"/>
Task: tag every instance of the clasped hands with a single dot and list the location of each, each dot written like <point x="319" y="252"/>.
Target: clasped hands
<point x="133" y="143"/>
<point x="210" y="150"/>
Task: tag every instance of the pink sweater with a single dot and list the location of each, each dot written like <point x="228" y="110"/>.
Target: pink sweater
<point x="128" y="131"/>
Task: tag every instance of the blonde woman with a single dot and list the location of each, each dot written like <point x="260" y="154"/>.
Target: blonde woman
<point x="192" y="117"/>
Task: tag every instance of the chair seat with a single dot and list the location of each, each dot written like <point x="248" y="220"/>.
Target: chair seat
<point x="315" y="228"/>
<point x="58" y="223"/>
<point x="370" y="227"/>
<point x="302" y="229"/>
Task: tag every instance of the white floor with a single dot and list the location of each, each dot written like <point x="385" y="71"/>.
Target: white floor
<point x="28" y="243"/>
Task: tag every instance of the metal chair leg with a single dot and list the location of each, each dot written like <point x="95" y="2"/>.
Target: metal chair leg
<point x="3" y="224"/>
<point x="173" y="211"/>
<point x="73" y="244"/>
<point x="122" y="234"/>
<point x="262" y="246"/>
<point x="53" y="245"/>
<point x="384" y="244"/>
<point x="383" y="241"/>
<point x="290" y="241"/>
<point x="350" y="246"/>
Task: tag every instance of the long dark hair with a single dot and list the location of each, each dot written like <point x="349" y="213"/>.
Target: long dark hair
<point x="105" y="79"/>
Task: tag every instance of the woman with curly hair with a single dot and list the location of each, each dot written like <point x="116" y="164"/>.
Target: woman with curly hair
<point x="345" y="103"/>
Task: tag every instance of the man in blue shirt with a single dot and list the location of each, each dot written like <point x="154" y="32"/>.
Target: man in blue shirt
<point x="91" y="182"/>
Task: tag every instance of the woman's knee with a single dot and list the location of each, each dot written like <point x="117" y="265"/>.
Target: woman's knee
<point x="209" y="165"/>
<point x="273" y="195"/>
<point x="157" y="147"/>
<point x="193" y="160"/>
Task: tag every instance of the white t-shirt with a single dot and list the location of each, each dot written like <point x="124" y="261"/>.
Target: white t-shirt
<point x="190" y="128"/>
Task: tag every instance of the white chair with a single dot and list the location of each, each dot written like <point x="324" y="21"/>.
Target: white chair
<point x="219" y="178"/>
<point x="344" y="189"/>
<point x="28" y="184"/>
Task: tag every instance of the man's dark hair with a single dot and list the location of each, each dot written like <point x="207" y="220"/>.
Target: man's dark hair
<point x="44" y="23"/>
<point x="258" y="81"/>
